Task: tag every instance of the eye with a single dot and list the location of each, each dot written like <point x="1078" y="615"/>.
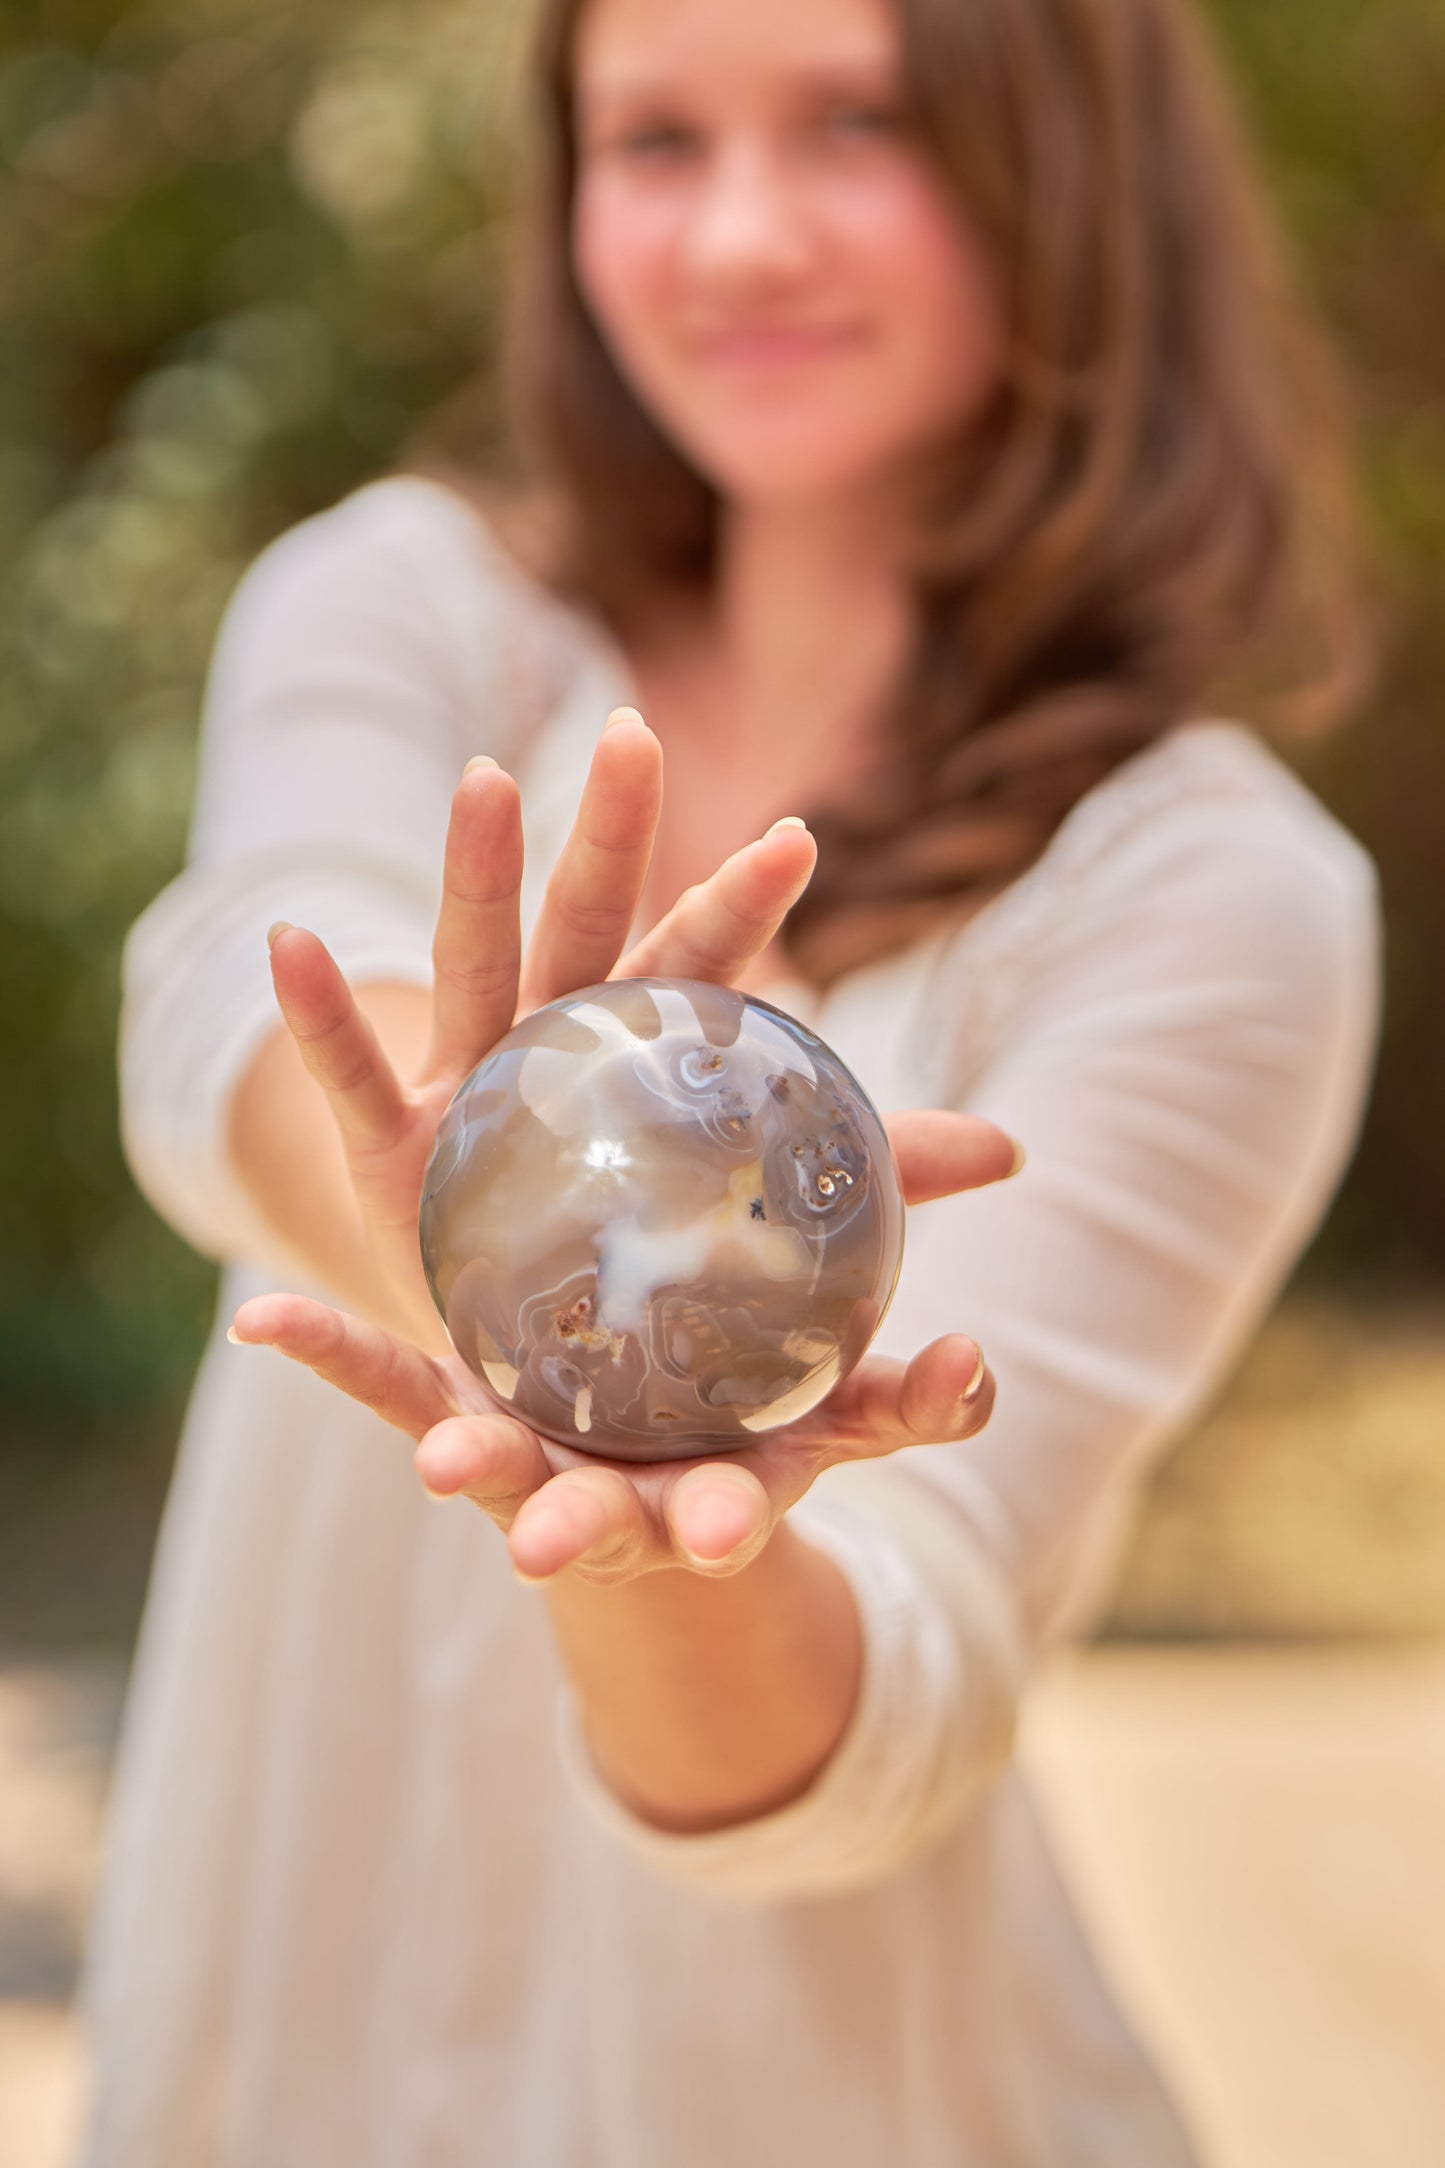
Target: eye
<point x="860" y="120"/>
<point x="662" y="141"/>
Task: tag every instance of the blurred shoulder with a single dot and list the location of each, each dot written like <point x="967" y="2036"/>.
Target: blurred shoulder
<point x="1201" y="877"/>
<point x="1219" y="780"/>
<point x="1207" y="863"/>
<point x="1212" y="816"/>
<point x="403" y="536"/>
<point x="1206" y="814"/>
<point x="395" y="534"/>
<point x="404" y="583"/>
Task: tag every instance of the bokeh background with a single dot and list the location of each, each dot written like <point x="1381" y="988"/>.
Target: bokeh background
<point x="247" y="251"/>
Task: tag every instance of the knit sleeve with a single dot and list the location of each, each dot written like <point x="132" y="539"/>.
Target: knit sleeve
<point x="1186" y="1059"/>
<point x="354" y="674"/>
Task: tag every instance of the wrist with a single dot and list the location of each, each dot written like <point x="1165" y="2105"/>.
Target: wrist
<point x="708" y="1701"/>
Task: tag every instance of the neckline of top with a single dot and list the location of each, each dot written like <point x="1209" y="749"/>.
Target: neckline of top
<point x="1092" y="816"/>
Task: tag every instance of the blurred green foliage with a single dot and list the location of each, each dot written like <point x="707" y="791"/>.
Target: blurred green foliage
<point x="243" y="248"/>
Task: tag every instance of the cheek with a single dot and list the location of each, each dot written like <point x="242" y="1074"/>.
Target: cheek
<point x="934" y="286"/>
<point x="620" y="246"/>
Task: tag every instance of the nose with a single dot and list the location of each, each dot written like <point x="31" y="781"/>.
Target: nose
<point x="747" y="218"/>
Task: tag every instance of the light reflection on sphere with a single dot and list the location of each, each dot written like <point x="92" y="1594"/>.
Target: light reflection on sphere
<point x="661" y="1217"/>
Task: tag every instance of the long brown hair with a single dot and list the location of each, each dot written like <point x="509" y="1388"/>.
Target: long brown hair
<point x="1152" y="515"/>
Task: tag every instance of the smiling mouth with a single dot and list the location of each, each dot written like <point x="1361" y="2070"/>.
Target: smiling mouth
<point x="774" y="349"/>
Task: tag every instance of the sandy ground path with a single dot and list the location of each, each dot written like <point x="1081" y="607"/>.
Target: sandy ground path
<point x="1256" y="1837"/>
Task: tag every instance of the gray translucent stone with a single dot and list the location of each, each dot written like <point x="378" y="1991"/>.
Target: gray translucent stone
<point x="661" y="1217"/>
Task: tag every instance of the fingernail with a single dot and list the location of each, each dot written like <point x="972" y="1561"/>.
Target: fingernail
<point x="789" y="820"/>
<point x="443" y="1498"/>
<point x="282" y="925"/>
<point x="624" y="715"/>
<point x="974" y="1386"/>
<point x="234" y="1337"/>
<point x="1020" y="1156"/>
<point x="479" y="760"/>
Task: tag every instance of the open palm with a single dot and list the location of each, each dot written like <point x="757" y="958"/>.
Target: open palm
<point x="560" y="1507"/>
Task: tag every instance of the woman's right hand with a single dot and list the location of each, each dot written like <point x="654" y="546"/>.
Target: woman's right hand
<point x="483" y="984"/>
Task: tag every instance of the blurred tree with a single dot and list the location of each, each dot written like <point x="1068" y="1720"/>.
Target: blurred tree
<point x="1347" y="102"/>
<point x="243" y="248"/>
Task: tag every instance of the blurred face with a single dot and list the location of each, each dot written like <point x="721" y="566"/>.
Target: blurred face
<point x="779" y="273"/>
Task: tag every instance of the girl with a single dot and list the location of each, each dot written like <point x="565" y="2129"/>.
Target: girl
<point x="914" y="428"/>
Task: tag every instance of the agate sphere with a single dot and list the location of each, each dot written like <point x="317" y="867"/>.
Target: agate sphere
<point x="661" y="1217"/>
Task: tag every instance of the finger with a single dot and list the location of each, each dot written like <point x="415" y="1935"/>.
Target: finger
<point x="596" y="884"/>
<point x="395" y="1381"/>
<point x="718" y="1515"/>
<point x="946" y="1392"/>
<point x="939" y="1153"/>
<point x="335" y="1041"/>
<point x="494" y="1460"/>
<point x="713" y="930"/>
<point x="585" y="1516"/>
<point x="477" y="946"/>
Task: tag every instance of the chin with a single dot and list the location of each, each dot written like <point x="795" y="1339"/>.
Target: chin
<point x="782" y="470"/>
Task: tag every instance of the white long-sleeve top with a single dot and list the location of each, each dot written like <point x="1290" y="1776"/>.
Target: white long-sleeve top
<point x="365" y="1898"/>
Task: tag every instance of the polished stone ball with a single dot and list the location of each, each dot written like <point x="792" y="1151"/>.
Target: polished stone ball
<point x="661" y="1217"/>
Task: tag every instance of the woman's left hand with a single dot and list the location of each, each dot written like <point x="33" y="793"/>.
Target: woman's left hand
<point x="610" y="1520"/>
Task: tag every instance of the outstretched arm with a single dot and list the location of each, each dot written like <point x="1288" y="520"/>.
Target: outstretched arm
<point x="715" y="1653"/>
<point x="366" y="655"/>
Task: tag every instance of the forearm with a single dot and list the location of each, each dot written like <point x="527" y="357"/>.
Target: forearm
<point x="287" y="1151"/>
<point x="707" y="1702"/>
